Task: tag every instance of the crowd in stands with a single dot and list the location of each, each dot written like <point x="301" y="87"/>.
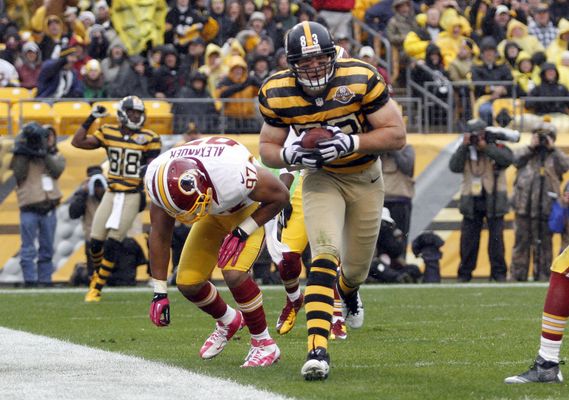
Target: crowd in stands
<point x="218" y="51"/>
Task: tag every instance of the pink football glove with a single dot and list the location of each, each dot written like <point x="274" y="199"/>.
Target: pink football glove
<point x="232" y="246"/>
<point x="160" y="309"/>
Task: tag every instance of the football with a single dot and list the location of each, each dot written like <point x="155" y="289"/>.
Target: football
<point x="313" y="136"/>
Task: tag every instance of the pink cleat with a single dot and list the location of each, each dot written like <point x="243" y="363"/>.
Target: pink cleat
<point x="263" y="353"/>
<point x="216" y="342"/>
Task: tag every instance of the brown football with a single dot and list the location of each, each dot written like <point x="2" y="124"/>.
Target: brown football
<point x="313" y="136"/>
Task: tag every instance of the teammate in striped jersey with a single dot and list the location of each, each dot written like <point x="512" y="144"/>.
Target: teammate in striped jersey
<point x="343" y="186"/>
<point x="129" y="149"/>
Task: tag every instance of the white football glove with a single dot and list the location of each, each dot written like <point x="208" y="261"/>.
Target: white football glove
<point x="99" y="112"/>
<point x="338" y="146"/>
<point x="295" y="154"/>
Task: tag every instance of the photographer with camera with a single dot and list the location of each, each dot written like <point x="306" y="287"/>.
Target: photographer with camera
<point x="483" y="194"/>
<point x="37" y="166"/>
<point x="540" y="167"/>
<point x="388" y="264"/>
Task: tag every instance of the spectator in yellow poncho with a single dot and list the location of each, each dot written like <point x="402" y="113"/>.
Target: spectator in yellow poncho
<point x="560" y="44"/>
<point x="517" y="32"/>
<point x="525" y="75"/>
<point x="456" y="31"/>
<point x="416" y="41"/>
<point x="213" y="68"/>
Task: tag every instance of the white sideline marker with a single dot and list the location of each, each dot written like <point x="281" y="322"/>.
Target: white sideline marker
<point x="38" y="367"/>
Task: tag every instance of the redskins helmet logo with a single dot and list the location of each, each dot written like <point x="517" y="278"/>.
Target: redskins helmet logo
<point x="188" y="182"/>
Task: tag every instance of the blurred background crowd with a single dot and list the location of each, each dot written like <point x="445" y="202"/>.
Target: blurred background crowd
<point x="446" y="60"/>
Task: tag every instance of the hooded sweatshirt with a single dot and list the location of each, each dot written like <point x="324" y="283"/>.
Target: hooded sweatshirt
<point x="548" y="89"/>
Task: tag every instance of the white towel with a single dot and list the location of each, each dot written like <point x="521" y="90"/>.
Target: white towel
<point x="115" y="218"/>
<point x="275" y="248"/>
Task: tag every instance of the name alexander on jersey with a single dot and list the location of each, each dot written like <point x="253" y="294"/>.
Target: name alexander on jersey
<point x="201" y="151"/>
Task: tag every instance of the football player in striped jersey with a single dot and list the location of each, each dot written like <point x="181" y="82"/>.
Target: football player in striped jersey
<point x="129" y="149"/>
<point x="343" y="187"/>
<point x="216" y="185"/>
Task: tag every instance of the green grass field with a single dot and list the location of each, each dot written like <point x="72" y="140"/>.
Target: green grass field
<point x="456" y="342"/>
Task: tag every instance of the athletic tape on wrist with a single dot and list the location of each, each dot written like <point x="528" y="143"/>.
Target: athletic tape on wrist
<point x="356" y="142"/>
<point x="88" y="122"/>
<point x="281" y="154"/>
<point x="249" y="226"/>
<point x="160" y="286"/>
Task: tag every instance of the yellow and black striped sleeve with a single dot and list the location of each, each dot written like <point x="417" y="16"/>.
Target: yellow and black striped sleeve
<point x="100" y="134"/>
<point x="376" y="95"/>
<point x="269" y="115"/>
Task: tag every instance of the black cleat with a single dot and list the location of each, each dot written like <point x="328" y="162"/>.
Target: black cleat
<point x="540" y="372"/>
<point x="317" y="365"/>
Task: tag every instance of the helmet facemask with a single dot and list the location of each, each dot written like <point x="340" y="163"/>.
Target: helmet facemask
<point x="314" y="72"/>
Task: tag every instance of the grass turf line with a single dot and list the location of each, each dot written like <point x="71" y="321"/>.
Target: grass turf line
<point x="420" y="343"/>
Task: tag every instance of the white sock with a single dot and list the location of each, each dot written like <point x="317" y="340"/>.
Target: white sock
<point x="549" y="349"/>
<point x="294" y="295"/>
<point x="226" y="318"/>
<point x="263" y="335"/>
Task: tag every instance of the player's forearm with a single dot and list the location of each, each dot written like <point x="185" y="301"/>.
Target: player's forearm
<point x="159" y="252"/>
<point x="271" y="155"/>
<point x="267" y="211"/>
<point x="382" y="139"/>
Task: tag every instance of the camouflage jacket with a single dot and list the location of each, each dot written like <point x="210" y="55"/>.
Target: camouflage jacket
<point x="492" y="158"/>
<point x="525" y="200"/>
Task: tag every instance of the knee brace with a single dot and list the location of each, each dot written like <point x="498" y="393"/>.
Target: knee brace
<point x="290" y="267"/>
<point x="111" y="249"/>
<point x="96" y="246"/>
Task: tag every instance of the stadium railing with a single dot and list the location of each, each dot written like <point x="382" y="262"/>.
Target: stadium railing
<point x="381" y="45"/>
<point x="163" y="115"/>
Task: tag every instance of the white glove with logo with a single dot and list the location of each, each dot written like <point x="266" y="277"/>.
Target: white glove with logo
<point x="338" y="146"/>
<point x="295" y="154"/>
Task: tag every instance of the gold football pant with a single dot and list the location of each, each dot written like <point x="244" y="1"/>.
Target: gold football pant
<point x="199" y="255"/>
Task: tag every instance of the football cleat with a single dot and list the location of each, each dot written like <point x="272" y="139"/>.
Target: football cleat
<point x="317" y="365"/>
<point x="263" y="353"/>
<point x="541" y="371"/>
<point x="288" y="315"/>
<point x="353" y="310"/>
<point x="216" y="342"/>
<point x="93" y="295"/>
<point x="338" y="330"/>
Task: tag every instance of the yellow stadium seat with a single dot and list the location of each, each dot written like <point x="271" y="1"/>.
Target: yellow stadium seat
<point x="4" y="118"/>
<point x="15" y="93"/>
<point x="70" y="115"/>
<point x="111" y="107"/>
<point x="158" y="116"/>
<point x="29" y="111"/>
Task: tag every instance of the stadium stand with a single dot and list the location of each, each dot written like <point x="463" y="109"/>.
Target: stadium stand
<point x="70" y="115"/>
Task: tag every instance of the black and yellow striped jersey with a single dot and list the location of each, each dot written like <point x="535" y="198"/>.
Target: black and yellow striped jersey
<point x="356" y="90"/>
<point x="127" y="154"/>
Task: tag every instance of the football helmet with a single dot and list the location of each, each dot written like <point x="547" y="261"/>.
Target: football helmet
<point x="131" y="103"/>
<point x="310" y="40"/>
<point x="181" y="188"/>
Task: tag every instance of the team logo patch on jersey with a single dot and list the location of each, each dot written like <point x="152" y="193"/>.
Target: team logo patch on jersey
<point x="344" y="95"/>
<point x="319" y="102"/>
<point x="140" y="139"/>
